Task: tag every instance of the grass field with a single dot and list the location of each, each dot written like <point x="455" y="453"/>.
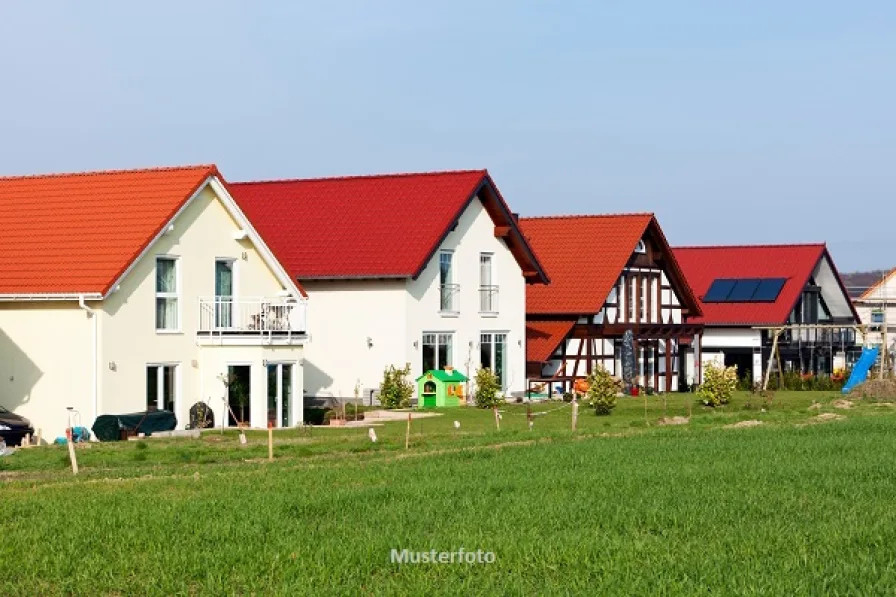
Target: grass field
<point x="797" y="505"/>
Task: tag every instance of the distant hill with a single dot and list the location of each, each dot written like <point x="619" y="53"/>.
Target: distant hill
<point x="858" y="282"/>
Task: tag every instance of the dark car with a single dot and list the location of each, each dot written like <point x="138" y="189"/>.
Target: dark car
<point x="13" y="427"/>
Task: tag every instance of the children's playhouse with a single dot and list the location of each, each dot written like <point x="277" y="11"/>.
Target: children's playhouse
<point x="440" y="388"/>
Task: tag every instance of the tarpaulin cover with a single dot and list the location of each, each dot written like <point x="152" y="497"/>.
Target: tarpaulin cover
<point x="107" y="428"/>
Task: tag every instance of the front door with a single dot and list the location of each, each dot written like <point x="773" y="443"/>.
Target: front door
<point x="279" y="394"/>
<point x="224" y="293"/>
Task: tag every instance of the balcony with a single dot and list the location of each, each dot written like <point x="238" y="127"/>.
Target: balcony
<point x="488" y="300"/>
<point x="449" y="299"/>
<point x="252" y="319"/>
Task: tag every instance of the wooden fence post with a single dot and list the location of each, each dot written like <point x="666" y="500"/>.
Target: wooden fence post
<point x="71" y="450"/>
<point x="575" y="413"/>
<point x="270" y="440"/>
<point x="407" y="434"/>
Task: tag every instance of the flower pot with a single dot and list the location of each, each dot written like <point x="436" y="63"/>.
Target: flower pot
<point x="636" y="391"/>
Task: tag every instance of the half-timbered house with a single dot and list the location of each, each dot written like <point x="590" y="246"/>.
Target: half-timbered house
<point x="609" y="274"/>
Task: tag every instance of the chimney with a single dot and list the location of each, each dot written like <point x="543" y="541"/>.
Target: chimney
<point x="516" y="217"/>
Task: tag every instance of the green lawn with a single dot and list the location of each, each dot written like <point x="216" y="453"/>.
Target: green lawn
<point x="624" y="506"/>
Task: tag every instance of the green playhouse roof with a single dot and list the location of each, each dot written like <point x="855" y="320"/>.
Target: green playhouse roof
<point x="441" y="375"/>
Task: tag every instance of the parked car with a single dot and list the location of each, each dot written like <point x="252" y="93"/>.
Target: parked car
<point x="13" y="427"/>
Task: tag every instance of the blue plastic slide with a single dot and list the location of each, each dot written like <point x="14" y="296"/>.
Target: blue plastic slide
<point x="860" y="371"/>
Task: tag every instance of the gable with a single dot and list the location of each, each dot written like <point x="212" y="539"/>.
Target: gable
<point x="385" y="226"/>
<point x="586" y="256"/>
<point x="69" y="234"/>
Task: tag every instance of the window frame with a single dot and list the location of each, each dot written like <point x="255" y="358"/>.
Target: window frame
<point x="439" y="336"/>
<point x="493" y="335"/>
<point x="448" y="287"/>
<point x="178" y="284"/>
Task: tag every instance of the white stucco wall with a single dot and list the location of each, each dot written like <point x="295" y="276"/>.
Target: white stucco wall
<point x="202" y="233"/>
<point x="730" y="338"/>
<point x="474" y="234"/>
<point x="46" y="363"/>
<point x="345" y="314"/>
<point x="394" y="314"/>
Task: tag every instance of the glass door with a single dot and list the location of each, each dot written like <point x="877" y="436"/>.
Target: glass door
<point x="224" y="293"/>
<point x="279" y="394"/>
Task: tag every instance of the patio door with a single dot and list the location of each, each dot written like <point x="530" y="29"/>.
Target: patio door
<point x="280" y="394"/>
<point x="239" y="394"/>
<point x="224" y="293"/>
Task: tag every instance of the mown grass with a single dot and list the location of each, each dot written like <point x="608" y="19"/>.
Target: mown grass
<point x="622" y="507"/>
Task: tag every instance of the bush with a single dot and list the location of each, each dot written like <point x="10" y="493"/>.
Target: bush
<point x="314" y="415"/>
<point x="396" y="389"/>
<point x="718" y="385"/>
<point x="602" y="390"/>
<point x="488" y="389"/>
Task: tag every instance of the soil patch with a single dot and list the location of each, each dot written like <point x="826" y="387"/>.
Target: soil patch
<point x="743" y="424"/>
<point x="878" y="389"/>
<point x="844" y="404"/>
<point x="674" y="421"/>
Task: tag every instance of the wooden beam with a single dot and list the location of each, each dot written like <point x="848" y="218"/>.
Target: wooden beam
<point x="502" y="231"/>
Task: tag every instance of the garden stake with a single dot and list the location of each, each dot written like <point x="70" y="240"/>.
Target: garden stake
<point x="270" y="441"/>
<point x="38" y="436"/>
<point x="497" y="420"/>
<point x="645" y="409"/>
<point x="71" y="450"/>
<point x="575" y="413"/>
<point x="529" y="416"/>
<point x="407" y="434"/>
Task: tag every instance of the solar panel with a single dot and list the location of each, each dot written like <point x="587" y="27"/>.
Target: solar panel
<point x="743" y="290"/>
<point x="718" y="291"/>
<point x="769" y="289"/>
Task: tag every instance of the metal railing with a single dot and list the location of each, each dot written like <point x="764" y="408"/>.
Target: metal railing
<point x="488" y="299"/>
<point x="256" y="315"/>
<point x="449" y="301"/>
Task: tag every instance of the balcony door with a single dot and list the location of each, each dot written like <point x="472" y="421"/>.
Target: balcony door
<point x="224" y="293"/>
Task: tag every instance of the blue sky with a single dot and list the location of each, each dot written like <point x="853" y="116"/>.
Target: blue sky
<point x="747" y="122"/>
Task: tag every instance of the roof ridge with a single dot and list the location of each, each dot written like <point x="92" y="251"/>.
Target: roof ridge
<point x="580" y="216"/>
<point x="759" y="246"/>
<point x="107" y="172"/>
<point x="482" y="171"/>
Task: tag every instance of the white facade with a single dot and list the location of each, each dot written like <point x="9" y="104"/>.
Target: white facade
<point x="360" y="327"/>
<point x="106" y="356"/>
<point x="717" y="341"/>
<point x="877" y="310"/>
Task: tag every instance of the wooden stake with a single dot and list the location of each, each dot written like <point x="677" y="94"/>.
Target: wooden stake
<point x="270" y="441"/>
<point x="71" y="450"/>
<point x="645" y="409"/>
<point x="497" y="418"/>
<point x="575" y="413"/>
<point x="529" y="416"/>
<point x="26" y="441"/>
<point x="38" y="435"/>
<point x="407" y="434"/>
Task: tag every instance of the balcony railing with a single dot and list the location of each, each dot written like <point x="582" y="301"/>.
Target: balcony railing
<point x="488" y="299"/>
<point x="449" y="299"/>
<point x="256" y="315"/>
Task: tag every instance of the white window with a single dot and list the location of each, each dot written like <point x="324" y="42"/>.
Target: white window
<point x="167" y="288"/>
<point x="438" y="350"/>
<point x="488" y="291"/>
<point x="493" y="355"/>
<point x="640" y="248"/>
<point x="447" y="288"/>
<point x="161" y="387"/>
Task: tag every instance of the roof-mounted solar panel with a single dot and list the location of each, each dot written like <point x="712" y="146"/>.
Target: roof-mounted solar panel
<point x="743" y="291"/>
<point x="769" y="289"/>
<point x="718" y="291"/>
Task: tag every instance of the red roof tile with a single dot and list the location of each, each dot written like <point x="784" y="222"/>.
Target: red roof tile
<point x="77" y="233"/>
<point x="702" y="265"/>
<point x="384" y="226"/>
<point x="543" y="338"/>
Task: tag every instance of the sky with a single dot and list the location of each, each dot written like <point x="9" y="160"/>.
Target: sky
<point x="748" y="121"/>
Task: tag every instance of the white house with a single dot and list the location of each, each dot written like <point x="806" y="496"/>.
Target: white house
<point x="744" y="287"/>
<point x="124" y="291"/>
<point x="428" y="269"/>
<point x="877" y="308"/>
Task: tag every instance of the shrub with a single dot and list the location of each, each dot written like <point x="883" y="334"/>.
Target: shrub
<point x="567" y="396"/>
<point x="602" y="390"/>
<point x="396" y="389"/>
<point x="718" y="385"/>
<point x="488" y="388"/>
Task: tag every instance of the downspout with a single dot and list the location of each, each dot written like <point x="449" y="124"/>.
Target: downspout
<point x="92" y="314"/>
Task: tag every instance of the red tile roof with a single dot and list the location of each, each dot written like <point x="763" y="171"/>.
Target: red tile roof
<point x="77" y="233"/>
<point x="382" y="226"/>
<point x="543" y="338"/>
<point x="702" y="265"/>
<point x="585" y="255"/>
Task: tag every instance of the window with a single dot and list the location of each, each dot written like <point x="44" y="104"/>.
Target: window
<point x="437" y="351"/>
<point x="488" y="292"/>
<point x="877" y="316"/>
<point x="447" y="287"/>
<point x="161" y="384"/>
<point x="167" y="306"/>
<point x="224" y="293"/>
<point x="279" y="394"/>
<point x="640" y="248"/>
<point x="493" y="355"/>
<point x="645" y="296"/>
